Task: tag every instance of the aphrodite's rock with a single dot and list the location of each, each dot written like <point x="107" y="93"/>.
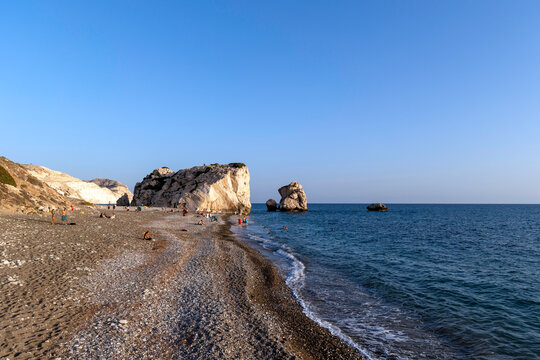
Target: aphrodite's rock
<point x="205" y="188"/>
<point x="271" y="205"/>
<point x="377" y="207"/>
<point x="293" y="198"/>
<point x="117" y="188"/>
<point x="123" y="200"/>
<point x="70" y="186"/>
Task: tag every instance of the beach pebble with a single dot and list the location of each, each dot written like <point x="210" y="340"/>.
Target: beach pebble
<point x="14" y="280"/>
<point x="123" y="322"/>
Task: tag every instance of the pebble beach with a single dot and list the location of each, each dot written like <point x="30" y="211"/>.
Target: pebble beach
<point x="97" y="290"/>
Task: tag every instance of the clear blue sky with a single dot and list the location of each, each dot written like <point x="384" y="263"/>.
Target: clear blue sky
<point x="393" y="101"/>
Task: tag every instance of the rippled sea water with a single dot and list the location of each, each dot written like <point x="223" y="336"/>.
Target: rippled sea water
<point x="415" y="282"/>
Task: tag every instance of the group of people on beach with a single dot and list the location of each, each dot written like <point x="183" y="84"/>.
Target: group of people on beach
<point x="211" y="218"/>
<point x="64" y="215"/>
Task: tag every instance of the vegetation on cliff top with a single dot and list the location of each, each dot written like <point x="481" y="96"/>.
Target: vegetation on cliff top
<point x="237" y="165"/>
<point x="5" y="177"/>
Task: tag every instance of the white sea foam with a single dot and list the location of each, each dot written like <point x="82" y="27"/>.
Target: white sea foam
<point x="296" y="280"/>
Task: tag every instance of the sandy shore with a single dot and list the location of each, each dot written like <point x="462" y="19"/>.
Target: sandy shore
<point x="96" y="290"/>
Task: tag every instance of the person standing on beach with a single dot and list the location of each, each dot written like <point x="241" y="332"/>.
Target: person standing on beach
<point x="53" y="212"/>
<point x="64" y="216"/>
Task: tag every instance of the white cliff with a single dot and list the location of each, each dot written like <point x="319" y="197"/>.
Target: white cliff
<point x="118" y="189"/>
<point x="70" y="186"/>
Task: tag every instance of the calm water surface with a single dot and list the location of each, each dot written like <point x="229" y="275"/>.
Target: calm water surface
<point x="416" y="282"/>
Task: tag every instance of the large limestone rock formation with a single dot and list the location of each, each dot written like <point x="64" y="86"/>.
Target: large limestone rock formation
<point x="145" y="191"/>
<point x="117" y="188"/>
<point x="70" y="186"/>
<point x="293" y="198"/>
<point x="19" y="190"/>
<point x="271" y="205"/>
<point x="215" y="187"/>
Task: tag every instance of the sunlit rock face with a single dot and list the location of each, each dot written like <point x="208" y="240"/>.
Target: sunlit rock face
<point x="293" y="198"/>
<point x="117" y="188"/>
<point x="214" y="187"/>
<point x="72" y="187"/>
<point x="21" y="191"/>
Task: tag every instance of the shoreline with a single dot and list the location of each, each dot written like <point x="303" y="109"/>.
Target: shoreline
<point x="289" y="310"/>
<point x="293" y="274"/>
<point x="200" y="293"/>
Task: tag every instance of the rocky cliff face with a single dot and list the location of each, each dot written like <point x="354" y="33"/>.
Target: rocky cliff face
<point x="19" y="190"/>
<point x="123" y="201"/>
<point x="70" y="186"/>
<point x="215" y="187"/>
<point x="117" y="188"/>
<point x="293" y="198"/>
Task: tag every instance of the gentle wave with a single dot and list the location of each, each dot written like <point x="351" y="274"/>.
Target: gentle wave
<point x="295" y="280"/>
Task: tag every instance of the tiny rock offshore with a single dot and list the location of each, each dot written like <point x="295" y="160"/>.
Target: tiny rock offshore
<point x="271" y="205"/>
<point x="214" y="187"/>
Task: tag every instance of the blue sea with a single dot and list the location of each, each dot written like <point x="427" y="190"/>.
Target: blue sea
<point x="415" y="282"/>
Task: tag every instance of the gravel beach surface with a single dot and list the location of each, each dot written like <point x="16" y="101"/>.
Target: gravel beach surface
<point x="97" y="290"/>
